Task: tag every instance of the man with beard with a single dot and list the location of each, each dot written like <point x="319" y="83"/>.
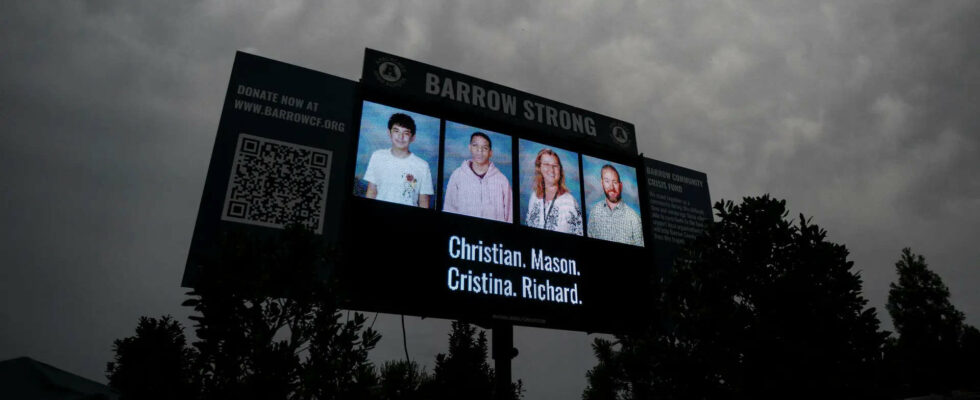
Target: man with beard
<point x="611" y="219"/>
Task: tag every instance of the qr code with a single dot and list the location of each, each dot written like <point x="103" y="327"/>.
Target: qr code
<point x="274" y="184"/>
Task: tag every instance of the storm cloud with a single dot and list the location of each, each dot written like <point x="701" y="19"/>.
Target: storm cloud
<point x="863" y="115"/>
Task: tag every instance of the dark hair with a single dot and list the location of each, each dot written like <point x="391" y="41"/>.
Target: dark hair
<point x="402" y="120"/>
<point x="482" y="135"/>
<point x="609" y="166"/>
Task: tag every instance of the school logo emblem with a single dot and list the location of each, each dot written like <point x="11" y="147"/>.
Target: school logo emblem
<point x="389" y="72"/>
<point x="620" y="134"/>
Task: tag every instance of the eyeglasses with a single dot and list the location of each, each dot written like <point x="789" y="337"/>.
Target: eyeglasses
<point x="610" y="181"/>
<point x="550" y="165"/>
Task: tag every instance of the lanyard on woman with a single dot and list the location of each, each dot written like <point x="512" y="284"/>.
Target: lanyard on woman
<point x="544" y="217"/>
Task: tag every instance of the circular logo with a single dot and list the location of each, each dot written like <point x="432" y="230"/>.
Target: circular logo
<point x="620" y="134"/>
<point x="389" y="72"/>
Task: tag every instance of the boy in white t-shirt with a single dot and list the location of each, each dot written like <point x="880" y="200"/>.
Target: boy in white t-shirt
<point x="395" y="174"/>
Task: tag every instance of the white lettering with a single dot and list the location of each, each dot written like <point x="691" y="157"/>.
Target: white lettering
<point x="452" y="279"/>
<point x="447" y="89"/>
<point x="510" y="104"/>
<point x="454" y="251"/>
<point x="463" y="92"/>
<point x="528" y="110"/>
<point x="478" y="94"/>
<point x="589" y="126"/>
<point x="564" y="119"/>
<point x="431" y="83"/>
<point x="493" y="100"/>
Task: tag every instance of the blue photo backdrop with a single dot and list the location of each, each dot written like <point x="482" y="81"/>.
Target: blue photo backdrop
<point x="569" y="163"/>
<point x="457" y="150"/>
<point x="592" y="170"/>
<point x="374" y="136"/>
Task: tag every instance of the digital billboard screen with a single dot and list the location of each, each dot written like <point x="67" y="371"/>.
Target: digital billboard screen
<point x="464" y="212"/>
<point x="447" y="196"/>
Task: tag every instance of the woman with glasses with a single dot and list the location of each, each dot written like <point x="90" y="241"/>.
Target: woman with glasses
<point x="552" y="206"/>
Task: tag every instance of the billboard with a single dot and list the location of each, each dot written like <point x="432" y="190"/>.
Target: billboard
<point x="449" y="196"/>
<point x="480" y="202"/>
<point x="455" y="93"/>
<point x="679" y="207"/>
<point x="279" y="157"/>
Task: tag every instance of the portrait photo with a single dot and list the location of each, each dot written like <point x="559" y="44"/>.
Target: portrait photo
<point x="477" y="173"/>
<point x="397" y="156"/>
<point x="550" y="188"/>
<point x="612" y="205"/>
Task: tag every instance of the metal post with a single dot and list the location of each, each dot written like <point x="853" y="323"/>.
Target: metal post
<point x="503" y="351"/>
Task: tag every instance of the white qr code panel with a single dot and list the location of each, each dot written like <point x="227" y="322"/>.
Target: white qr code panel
<point x="275" y="183"/>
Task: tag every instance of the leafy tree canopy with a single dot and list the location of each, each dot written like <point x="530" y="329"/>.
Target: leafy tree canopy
<point x="935" y="351"/>
<point x="154" y="364"/>
<point x="268" y="327"/>
<point x="758" y="306"/>
<point x="464" y="372"/>
<point x="919" y="305"/>
<point x="404" y="380"/>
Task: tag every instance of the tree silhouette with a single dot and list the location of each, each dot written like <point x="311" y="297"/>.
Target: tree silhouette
<point x="627" y="367"/>
<point x="935" y="352"/>
<point x="464" y="372"/>
<point x="338" y="365"/>
<point x="404" y="380"/>
<point x="269" y="324"/>
<point x="969" y="360"/>
<point x="758" y="306"/>
<point x="154" y="364"/>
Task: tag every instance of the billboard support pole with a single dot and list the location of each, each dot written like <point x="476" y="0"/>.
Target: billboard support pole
<point x="503" y="351"/>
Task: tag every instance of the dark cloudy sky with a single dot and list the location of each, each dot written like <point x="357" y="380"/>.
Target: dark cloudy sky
<point x="864" y="115"/>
